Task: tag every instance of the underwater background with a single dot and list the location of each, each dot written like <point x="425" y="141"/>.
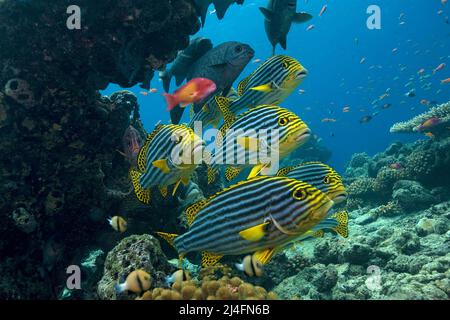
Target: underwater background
<point x="68" y="97"/>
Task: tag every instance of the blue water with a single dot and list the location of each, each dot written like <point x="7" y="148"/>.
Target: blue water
<point x="336" y="77"/>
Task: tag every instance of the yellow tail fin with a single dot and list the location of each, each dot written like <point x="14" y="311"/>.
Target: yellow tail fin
<point x="342" y="227"/>
<point x="142" y="194"/>
<point x="169" y="237"/>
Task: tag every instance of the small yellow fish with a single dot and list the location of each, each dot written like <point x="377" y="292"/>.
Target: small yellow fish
<point x="118" y="223"/>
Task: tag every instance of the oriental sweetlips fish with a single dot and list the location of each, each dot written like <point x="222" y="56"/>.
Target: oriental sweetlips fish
<point x="253" y="132"/>
<point x="168" y="156"/>
<point x="271" y="83"/>
<point x="261" y="215"/>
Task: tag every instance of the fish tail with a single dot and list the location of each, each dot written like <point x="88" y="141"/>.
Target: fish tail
<point x="142" y="194"/>
<point x="169" y="237"/>
<point x="171" y="101"/>
<point x="342" y="220"/>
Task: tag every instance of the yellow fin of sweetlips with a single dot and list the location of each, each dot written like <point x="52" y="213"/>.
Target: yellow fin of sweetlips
<point x="318" y="234"/>
<point x="142" y="194"/>
<point x="211" y="174"/>
<point x="193" y="209"/>
<point x="142" y="155"/>
<point x="268" y="87"/>
<point x="256" y="170"/>
<point x="209" y="259"/>
<point x="169" y="237"/>
<point x="249" y="143"/>
<point x="265" y="255"/>
<point x="228" y="117"/>
<point x="163" y="191"/>
<point x="232" y="172"/>
<point x="254" y="233"/>
<point x="342" y="227"/>
<point x="284" y="171"/>
<point x="162" y="165"/>
<point x="176" y="187"/>
<point x="242" y="85"/>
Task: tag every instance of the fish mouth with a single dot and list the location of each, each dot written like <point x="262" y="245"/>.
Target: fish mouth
<point x="325" y="206"/>
<point x="302" y="74"/>
<point x="302" y="136"/>
<point x="341" y="197"/>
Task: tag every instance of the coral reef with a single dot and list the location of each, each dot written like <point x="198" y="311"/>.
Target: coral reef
<point x="441" y="112"/>
<point x="132" y="253"/>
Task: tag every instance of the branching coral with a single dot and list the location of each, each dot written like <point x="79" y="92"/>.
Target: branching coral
<point x="441" y="112"/>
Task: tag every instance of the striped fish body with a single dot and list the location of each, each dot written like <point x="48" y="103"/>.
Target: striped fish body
<point x="321" y="176"/>
<point x="166" y="158"/>
<point x="252" y="132"/>
<point x="286" y="207"/>
<point x="271" y="83"/>
<point x="210" y="113"/>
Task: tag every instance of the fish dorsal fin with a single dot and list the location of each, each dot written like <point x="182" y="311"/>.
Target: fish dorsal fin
<point x="254" y="233"/>
<point x="265" y="255"/>
<point x="177" y="184"/>
<point x="301" y="17"/>
<point x="142" y="156"/>
<point x="342" y="227"/>
<point x="284" y="171"/>
<point x="193" y="209"/>
<point x="162" y="165"/>
<point x="163" y="190"/>
<point x="267" y="13"/>
<point x="228" y="117"/>
<point x="242" y="85"/>
<point x="142" y="194"/>
<point x="209" y="259"/>
<point x="232" y="172"/>
<point x="169" y="237"/>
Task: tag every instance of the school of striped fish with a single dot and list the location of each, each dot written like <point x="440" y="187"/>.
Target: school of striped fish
<point x="265" y="211"/>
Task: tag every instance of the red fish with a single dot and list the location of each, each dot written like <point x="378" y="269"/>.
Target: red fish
<point x="439" y="67"/>
<point x="430" y="123"/>
<point x="396" y="166"/>
<point x="194" y="91"/>
<point x="132" y="143"/>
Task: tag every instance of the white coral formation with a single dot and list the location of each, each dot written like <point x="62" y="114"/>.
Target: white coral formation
<point x="410" y="126"/>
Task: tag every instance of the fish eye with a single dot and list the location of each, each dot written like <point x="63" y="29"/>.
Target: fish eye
<point x="283" y="121"/>
<point x="328" y="179"/>
<point x="299" y="194"/>
<point x="238" y="49"/>
<point x="285" y="64"/>
<point x="178" y="139"/>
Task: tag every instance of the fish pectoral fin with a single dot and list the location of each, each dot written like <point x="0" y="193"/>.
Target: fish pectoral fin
<point x="169" y="237"/>
<point x="249" y="143"/>
<point x="256" y="170"/>
<point x="142" y="194"/>
<point x="162" y="165"/>
<point x="242" y="85"/>
<point x="176" y="187"/>
<point x="193" y="209"/>
<point x="268" y="14"/>
<point x="301" y="17"/>
<point x="268" y="87"/>
<point x="265" y="255"/>
<point x="163" y="190"/>
<point x="254" y="233"/>
<point x="209" y="259"/>
<point x="283" y="42"/>
<point x="342" y="226"/>
<point x="232" y="172"/>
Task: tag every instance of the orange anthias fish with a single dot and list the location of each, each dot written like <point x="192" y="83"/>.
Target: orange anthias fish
<point x="322" y="11"/>
<point x="144" y="93"/>
<point x="396" y="166"/>
<point x="429" y="135"/>
<point x="194" y="91"/>
<point x="346" y="109"/>
<point x="132" y="143"/>
<point x="153" y="90"/>
<point x="424" y="102"/>
<point x="439" y="67"/>
<point x="445" y="81"/>
<point x="430" y="123"/>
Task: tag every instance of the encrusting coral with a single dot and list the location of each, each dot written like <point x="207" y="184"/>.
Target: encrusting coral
<point x="441" y="112"/>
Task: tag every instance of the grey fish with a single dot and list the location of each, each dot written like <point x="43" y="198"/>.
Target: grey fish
<point x="222" y="65"/>
<point x="184" y="60"/>
<point x="279" y="15"/>
<point x="222" y="6"/>
<point x="202" y="9"/>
